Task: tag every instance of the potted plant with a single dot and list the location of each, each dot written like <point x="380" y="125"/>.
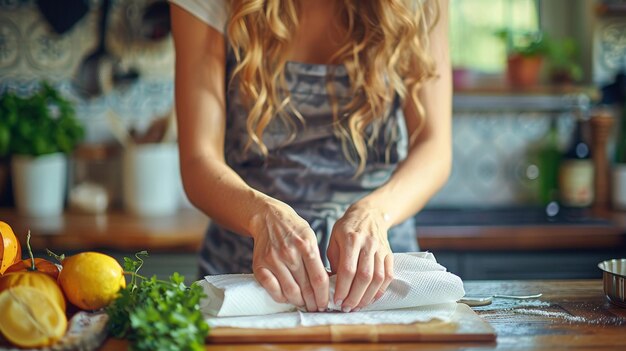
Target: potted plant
<point x="42" y="130"/>
<point x="563" y="64"/>
<point x="525" y="53"/>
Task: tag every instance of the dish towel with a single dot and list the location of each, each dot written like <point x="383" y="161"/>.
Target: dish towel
<point x="422" y="290"/>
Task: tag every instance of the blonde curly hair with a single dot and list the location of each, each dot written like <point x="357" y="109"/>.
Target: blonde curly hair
<point x="386" y="54"/>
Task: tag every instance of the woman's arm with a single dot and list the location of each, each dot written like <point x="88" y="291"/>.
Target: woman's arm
<point x="427" y="166"/>
<point x="286" y="259"/>
<point x="359" y="250"/>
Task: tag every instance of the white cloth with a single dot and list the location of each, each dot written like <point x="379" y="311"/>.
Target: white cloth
<point x="212" y="12"/>
<point x="421" y="290"/>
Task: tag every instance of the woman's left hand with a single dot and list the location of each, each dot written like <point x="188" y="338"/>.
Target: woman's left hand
<point x="360" y="255"/>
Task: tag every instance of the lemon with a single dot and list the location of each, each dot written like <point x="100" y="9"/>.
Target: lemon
<point x="91" y="280"/>
<point x="30" y="318"/>
<point x="40" y="281"/>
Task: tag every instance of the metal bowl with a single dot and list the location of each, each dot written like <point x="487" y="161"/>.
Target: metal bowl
<point x="614" y="276"/>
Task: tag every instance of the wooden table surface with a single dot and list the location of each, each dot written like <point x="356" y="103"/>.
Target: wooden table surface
<point x="571" y="314"/>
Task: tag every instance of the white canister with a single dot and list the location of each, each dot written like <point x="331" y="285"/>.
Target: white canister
<point x="619" y="186"/>
<point x="150" y="179"/>
<point x="39" y="184"/>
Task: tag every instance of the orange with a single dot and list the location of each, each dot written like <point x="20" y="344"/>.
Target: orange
<point x="30" y="318"/>
<point x="41" y="265"/>
<point x="91" y="280"/>
<point x="9" y="246"/>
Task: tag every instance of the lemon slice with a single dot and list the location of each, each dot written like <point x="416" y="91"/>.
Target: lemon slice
<point x="30" y="318"/>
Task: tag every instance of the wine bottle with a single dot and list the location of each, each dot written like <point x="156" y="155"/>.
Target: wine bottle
<point x="620" y="148"/>
<point x="548" y="164"/>
<point x="576" y="172"/>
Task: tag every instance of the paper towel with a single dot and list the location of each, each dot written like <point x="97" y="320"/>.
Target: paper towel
<point x="421" y="290"/>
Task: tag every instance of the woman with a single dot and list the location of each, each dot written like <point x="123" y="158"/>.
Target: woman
<point x="311" y="132"/>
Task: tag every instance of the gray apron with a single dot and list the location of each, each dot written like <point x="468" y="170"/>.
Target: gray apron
<point x="309" y="172"/>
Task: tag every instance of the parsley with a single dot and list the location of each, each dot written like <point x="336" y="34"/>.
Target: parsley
<point x="155" y="314"/>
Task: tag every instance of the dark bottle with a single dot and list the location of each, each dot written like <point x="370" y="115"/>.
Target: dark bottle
<point x="620" y="147"/>
<point x="549" y="156"/>
<point x="576" y="171"/>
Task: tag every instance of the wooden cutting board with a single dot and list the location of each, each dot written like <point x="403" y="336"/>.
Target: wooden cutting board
<point x="465" y="325"/>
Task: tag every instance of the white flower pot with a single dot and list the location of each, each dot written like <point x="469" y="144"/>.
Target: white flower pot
<point x="39" y="184"/>
<point x="151" y="179"/>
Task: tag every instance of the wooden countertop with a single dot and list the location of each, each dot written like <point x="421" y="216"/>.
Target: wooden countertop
<point x="570" y="314"/>
<point x="183" y="232"/>
<point x="114" y="230"/>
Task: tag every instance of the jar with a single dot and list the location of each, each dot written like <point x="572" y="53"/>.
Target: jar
<point x="95" y="178"/>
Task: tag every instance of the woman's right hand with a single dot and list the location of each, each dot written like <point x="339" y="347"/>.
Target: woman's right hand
<point x="286" y="260"/>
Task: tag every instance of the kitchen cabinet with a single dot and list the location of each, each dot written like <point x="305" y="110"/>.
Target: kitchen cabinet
<point x="522" y="243"/>
<point x="164" y="264"/>
<point x="483" y="265"/>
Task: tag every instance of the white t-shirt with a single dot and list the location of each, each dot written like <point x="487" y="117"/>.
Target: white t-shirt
<point x="212" y="12"/>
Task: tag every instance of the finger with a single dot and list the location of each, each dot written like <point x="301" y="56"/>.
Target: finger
<point x="362" y="280"/>
<point x="388" y="276"/>
<point x="378" y="278"/>
<point x="288" y="285"/>
<point x="348" y="260"/>
<point x="318" y="278"/>
<point x="269" y="282"/>
<point x="302" y="279"/>
<point x="332" y="253"/>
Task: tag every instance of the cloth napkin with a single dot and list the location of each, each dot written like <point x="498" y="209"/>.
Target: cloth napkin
<point x="421" y="290"/>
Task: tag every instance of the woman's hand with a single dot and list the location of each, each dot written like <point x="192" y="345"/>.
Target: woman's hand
<point x="359" y="253"/>
<point x="286" y="260"/>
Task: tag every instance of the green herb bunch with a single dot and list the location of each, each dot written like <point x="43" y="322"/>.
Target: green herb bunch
<point x="158" y="315"/>
<point x="43" y="123"/>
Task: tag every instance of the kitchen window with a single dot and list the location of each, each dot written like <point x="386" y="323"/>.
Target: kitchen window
<point x="473" y="27"/>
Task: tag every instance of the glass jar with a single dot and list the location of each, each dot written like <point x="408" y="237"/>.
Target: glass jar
<point x="95" y="178"/>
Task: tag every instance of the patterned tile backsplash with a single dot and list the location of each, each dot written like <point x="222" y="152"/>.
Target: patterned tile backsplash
<point x="494" y="157"/>
<point x="30" y="51"/>
<point x="491" y="150"/>
<point x="609" y="49"/>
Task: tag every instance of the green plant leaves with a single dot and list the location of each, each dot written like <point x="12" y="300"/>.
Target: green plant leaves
<point x="40" y="124"/>
<point x="156" y="314"/>
<point x="524" y="43"/>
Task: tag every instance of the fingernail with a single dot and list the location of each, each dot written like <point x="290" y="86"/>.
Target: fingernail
<point x="357" y="309"/>
<point x="338" y="302"/>
<point x="320" y="310"/>
<point x="347" y="309"/>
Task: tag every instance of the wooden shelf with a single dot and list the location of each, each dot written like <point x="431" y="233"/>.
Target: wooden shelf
<point x="504" y="89"/>
<point x="611" y="10"/>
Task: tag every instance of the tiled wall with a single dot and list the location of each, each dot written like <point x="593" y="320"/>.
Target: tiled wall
<point x="609" y="48"/>
<point x="490" y="149"/>
<point x="30" y="52"/>
<point x="495" y="156"/>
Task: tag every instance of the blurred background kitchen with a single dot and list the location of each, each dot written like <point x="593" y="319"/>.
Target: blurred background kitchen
<point x="538" y="186"/>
